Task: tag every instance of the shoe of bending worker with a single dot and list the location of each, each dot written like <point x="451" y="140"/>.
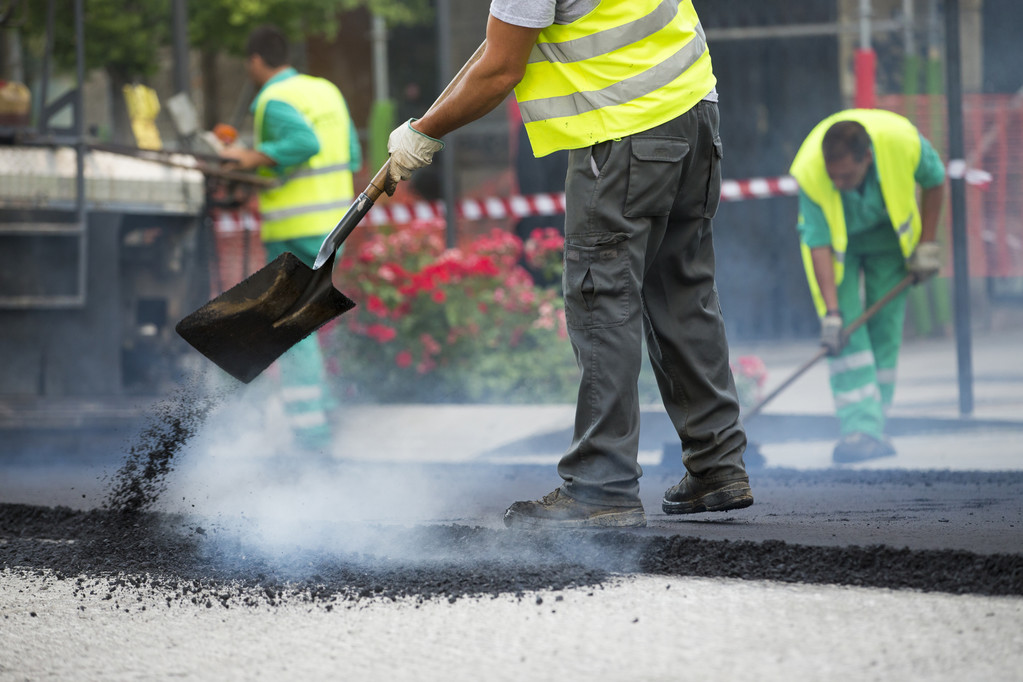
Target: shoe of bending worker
<point x="558" y="510"/>
<point x="861" y="447"/>
<point x="692" y="496"/>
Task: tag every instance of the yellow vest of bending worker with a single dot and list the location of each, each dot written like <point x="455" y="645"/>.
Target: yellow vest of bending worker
<point x="623" y="68"/>
<point x="896" y="144"/>
<point x="316" y="193"/>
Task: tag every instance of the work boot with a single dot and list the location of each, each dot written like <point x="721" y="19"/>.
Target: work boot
<point x="860" y="447"/>
<point x="692" y="495"/>
<point x="558" y="510"/>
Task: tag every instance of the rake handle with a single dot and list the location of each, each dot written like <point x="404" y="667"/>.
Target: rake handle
<point x="846" y="333"/>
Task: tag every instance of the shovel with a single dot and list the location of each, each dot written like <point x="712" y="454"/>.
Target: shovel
<point x="246" y="328"/>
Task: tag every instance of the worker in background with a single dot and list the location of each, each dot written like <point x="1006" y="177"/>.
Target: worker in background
<point x="861" y="229"/>
<point x="304" y="137"/>
<point x="629" y="89"/>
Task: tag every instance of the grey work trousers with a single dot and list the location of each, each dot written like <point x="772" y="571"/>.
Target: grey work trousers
<point x="639" y="259"/>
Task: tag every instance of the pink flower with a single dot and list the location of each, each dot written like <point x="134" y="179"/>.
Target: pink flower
<point x="388" y="272"/>
<point x="403" y="359"/>
<point x="753" y="367"/>
<point x="430" y="344"/>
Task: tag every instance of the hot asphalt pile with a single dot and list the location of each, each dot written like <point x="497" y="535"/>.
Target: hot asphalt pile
<point x="174" y="560"/>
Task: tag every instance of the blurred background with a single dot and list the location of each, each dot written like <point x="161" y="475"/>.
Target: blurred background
<point x="115" y="222"/>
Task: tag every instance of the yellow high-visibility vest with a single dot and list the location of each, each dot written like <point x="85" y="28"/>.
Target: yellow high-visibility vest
<point x="897" y="149"/>
<point x="316" y="193"/>
<point x="623" y="68"/>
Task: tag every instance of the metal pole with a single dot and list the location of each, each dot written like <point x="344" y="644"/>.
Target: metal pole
<point x="865" y="62"/>
<point x="378" y="33"/>
<point x="865" y="12"/>
<point x="180" y="28"/>
<point x="960" y="262"/>
<point x="907" y="34"/>
<point x="447" y="157"/>
<point x="44" y="87"/>
<point x="81" y="206"/>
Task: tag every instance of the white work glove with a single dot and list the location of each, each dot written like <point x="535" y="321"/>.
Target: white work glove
<point x="925" y="261"/>
<point x="410" y="150"/>
<point x="831" y="333"/>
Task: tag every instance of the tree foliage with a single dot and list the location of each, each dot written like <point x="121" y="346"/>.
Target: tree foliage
<point x="223" y="25"/>
<point x="124" y="36"/>
<point x="120" y="35"/>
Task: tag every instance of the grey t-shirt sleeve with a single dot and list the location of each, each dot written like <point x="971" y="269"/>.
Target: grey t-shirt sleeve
<point x="526" y="13"/>
<point x="540" y="13"/>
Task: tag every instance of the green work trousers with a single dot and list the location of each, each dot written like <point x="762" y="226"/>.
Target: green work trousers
<point x="303" y="377"/>
<point x="863" y="375"/>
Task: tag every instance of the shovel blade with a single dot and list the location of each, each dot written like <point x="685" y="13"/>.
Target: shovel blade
<point x="246" y="328"/>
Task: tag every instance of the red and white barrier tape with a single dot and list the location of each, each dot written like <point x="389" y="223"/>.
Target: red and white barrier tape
<point x="554" y="204"/>
<point x="974" y="176"/>
<point x="471" y="209"/>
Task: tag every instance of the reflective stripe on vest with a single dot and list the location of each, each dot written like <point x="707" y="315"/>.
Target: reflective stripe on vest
<point x="309" y="172"/>
<point x="621" y="69"/>
<point x="896" y="144"/>
<point x="314" y="194"/>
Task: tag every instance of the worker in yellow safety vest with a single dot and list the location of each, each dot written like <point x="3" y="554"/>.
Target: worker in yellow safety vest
<point x="861" y="228"/>
<point x="303" y="137"/>
<point x="628" y="88"/>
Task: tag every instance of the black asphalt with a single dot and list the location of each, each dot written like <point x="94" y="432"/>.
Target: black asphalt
<point x="959" y="532"/>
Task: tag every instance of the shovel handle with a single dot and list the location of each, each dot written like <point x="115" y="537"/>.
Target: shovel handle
<point x="846" y="333"/>
<point x="378" y="185"/>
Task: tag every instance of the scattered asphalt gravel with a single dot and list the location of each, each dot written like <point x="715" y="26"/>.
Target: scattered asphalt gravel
<point x="126" y="545"/>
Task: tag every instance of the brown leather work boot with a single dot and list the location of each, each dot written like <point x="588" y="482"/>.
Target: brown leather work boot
<point x="558" y="510"/>
<point x="692" y="495"/>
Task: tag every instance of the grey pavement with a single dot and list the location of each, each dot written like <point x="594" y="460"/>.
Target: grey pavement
<point x="796" y="430"/>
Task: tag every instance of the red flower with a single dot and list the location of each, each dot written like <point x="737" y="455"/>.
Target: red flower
<point x="403" y="359"/>
<point x="439" y="296"/>
<point x="376" y="306"/>
<point x="381" y="332"/>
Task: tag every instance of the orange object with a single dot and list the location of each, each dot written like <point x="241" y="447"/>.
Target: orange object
<point x="225" y="133"/>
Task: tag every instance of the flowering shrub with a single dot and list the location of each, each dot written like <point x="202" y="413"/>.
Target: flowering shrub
<point x="750" y="375"/>
<point x="544" y="251"/>
<point x="449" y="325"/>
<point x="464" y="325"/>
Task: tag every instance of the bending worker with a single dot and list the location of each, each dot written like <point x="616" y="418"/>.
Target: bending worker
<point x="629" y="89"/>
<point x="305" y="138"/>
<point x="860" y="227"/>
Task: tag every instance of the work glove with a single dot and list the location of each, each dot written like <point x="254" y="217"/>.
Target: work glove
<point x="831" y="333"/>
<point x="925" y="261"/>
<point x="410" y="150"/>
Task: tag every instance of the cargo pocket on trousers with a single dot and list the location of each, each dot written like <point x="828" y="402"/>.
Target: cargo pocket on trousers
<point x="654" y="175"/>
<point x="596" y="280"/>
<point x="710" y="206"/>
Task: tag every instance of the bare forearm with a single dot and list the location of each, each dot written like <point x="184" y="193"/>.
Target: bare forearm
<point x="930" y="212"/>
<point x="473" y="98"/>
<point x="487" y="82"/>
